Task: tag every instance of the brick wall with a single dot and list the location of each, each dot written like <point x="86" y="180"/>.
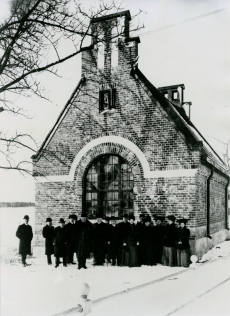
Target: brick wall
<point x="139" y="118"/>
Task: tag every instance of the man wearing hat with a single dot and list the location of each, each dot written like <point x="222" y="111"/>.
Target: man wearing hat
<point x="47" y="233"/>
<point x="183" y="246"/>
<point x="83" y="240"/>
<point x="71" y="243"/>
<point x="113" y="245"/>
<point x="159" y="234"/>
<point x="99" y="240"/>
<point x="169" y="243"/>
<point x="25" y="235"/>
<point x="123" y="228"/>
<point x="60" y="243"/>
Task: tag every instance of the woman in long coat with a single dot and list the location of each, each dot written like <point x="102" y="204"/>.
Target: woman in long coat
<point x="169" y="257"/>
<point x="130" y="243"/>
<point x="47" y="233"/>
<point x="60" y="238"/>
<point x="25" y="235"/>
<point x="147" y="243"/>
<point x="183" y="246"/>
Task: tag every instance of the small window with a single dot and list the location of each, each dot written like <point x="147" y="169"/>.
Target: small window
<point x="166" y="95"/>
<point x="175" y="95"/>
<point x="107" y="99"/>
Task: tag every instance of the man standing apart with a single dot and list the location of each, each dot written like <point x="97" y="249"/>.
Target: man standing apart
<point x="84" y="240"/>
<point x="25" y="235"/>
<point x="47" y="233"/>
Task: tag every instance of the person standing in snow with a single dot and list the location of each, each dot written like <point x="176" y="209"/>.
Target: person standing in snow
<point x="183" y="246"/>
<point x="25" y="235"/>
<point x="99" y="241"/>
<point x="83" y="240"/>
<point x="47" y="233"/>
<point x="147" y="243"/>
<point x="169" y="243"/>
<point x="113" y="242"/>
<point x="159" y="233"/>
<point x="122" y="233"/>
<point x="60" y="243"/>
<point x="71" y="241"/>
<point x="130" y="243"/>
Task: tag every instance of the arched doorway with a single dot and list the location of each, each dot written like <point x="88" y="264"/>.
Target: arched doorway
<point x="108" y="187"/>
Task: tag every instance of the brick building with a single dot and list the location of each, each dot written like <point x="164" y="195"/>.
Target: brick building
<point x="120" y="145"/>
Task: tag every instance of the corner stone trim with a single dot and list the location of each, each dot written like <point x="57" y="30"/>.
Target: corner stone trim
<point x="124" y="142"/>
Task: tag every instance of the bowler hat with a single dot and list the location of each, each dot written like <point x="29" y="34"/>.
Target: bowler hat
<point x="61" y="220"/>
<point x="99" y="215"/>
<point x="107" y="218"/>
<point x="160" y="218"/>
<point x="182" y="220"/>
<point x="26" y="217"/>
<point x="112" y="218"/>
<point x="83" y="214"/>
<point x="49" y="219"/>
<point x="171" y="218"/>
<point x="142" y="215"/>
<point x="147" y="219"/>
<point x="131" y="216"/>
<point x="71" y="216"/>
<point x="125" y="215"/>
<point x="74" y="216"/>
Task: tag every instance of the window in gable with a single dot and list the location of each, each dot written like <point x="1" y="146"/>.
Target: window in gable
<point x="107" y="99"/>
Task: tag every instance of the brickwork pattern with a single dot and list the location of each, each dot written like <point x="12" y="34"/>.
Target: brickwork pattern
<point x="139" y="118"/>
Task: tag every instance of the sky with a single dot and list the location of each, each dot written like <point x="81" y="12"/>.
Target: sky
<point x="182" y="42"/>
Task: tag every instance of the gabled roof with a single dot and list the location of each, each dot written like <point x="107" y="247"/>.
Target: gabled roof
<point x="177" y="114"/>
<point x="59" y="119"/>
<point x="182" y="121"/>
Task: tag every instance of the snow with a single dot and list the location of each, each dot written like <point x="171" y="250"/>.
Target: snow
<point x="41" y="290"/>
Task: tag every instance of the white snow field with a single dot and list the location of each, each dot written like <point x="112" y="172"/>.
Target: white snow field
<point x="42" y="290"/>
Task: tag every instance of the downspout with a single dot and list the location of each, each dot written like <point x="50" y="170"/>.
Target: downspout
<point x="226" y="205"/>
<point x="208" y="202"/>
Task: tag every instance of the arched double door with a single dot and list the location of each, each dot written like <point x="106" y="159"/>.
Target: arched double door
<point x="108" y="187"/>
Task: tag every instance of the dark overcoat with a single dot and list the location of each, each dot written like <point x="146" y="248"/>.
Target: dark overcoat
<point x="84" y="234"/>
<point x="25" y="235"/>
<point x="113" y="237"/>
<point x="147" y="245"/>
<point x="47" y="233"/>
<point x="183" y="235"/>
<point x="72" y="238"/>
<point x="170" y="236"/>
<point x="60" y="241"/>
<point x="100" y="236"/>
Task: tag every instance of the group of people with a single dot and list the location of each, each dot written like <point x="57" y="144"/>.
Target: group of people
<point x="126" y="243"/>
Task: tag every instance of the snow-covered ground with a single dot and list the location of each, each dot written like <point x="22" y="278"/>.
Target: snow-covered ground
<point x="40" y="290"/>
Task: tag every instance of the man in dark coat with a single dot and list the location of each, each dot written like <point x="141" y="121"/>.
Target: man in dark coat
<point x="159" y="233"/>
<point x="25" y="235"/>
<point x="47" y="233"/>
<point x="83" y="240"/>
<point x="169" y="257"/>
<point x="71" y="243"/>
<point x="100" y="239"/>
<point x="60" y="243"/>
<point x="113" y="244"/>
<point x="147" y="243"/>
<point x="123" y="229"/>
